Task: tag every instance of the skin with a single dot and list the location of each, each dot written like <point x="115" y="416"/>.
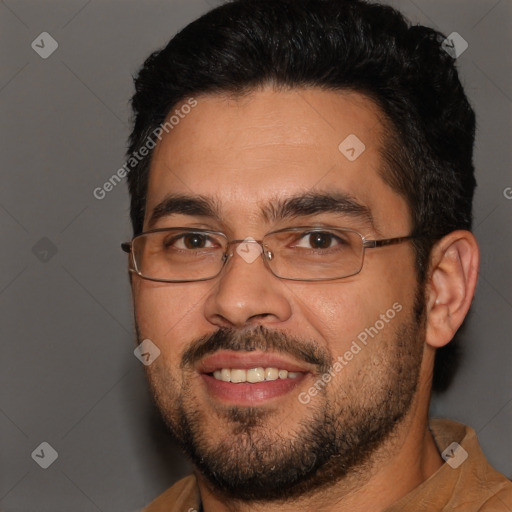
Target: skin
<point x="246" y="152"/>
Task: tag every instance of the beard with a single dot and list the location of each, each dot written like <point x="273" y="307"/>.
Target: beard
<point x="250" y="460"/>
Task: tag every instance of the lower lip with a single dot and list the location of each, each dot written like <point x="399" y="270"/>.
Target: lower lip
<point x="245" y="393"/>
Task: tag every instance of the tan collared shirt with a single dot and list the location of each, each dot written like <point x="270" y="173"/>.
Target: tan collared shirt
<point x="471" y="485"/>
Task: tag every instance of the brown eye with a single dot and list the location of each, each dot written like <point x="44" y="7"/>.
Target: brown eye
<point x="194" y="241"/>
<point x="189" y="241"/>
<point x="320" y="240"/>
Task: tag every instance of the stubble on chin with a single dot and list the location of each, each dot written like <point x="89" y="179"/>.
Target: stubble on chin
<point x="255" y="454"/>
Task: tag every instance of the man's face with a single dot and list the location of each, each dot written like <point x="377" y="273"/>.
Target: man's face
<point x="279" y="436"/>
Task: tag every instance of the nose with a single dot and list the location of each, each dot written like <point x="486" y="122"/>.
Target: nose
<point x="246" y="292"/>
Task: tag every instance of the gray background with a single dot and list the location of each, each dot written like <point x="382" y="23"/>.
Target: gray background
<point x="68" y="373"/>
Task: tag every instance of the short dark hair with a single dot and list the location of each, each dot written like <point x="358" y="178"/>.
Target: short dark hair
<point x="346" y="45"/>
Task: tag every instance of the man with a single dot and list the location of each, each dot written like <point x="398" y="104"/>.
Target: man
<point x="301" y="205"/>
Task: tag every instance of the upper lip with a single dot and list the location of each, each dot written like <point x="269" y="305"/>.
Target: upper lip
<point x="247" y="360"/>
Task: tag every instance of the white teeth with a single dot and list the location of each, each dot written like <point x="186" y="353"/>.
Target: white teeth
<point x="271" y="373"/>
<point x="238" y="375"/>
<point x="253" y="375"/>
<point x="256" y="375"/>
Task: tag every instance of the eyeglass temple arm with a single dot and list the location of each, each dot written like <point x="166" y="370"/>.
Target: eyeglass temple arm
<point x="369" y="244"/>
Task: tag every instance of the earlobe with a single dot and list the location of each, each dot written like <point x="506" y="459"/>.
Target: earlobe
<point x="451" y="285"/>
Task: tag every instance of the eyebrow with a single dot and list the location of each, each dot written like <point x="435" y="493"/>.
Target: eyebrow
<point x="315" y="203"/>
<point x="277" y="209"/>
<point x="195" y="206"/>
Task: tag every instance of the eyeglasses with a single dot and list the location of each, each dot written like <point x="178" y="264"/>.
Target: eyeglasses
<point x="180" y="255"/>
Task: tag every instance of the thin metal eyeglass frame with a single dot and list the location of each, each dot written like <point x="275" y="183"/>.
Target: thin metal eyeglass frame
<point x="267" y="255"/>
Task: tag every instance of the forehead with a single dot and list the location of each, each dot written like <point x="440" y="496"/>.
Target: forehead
<point x="246" y="152"/>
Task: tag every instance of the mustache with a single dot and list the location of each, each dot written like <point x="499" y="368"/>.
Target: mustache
<point x="259" y="338"/>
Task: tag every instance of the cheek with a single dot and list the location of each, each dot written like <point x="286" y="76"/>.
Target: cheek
<point x="339" y="313"/>
<point x="166" y="316"/>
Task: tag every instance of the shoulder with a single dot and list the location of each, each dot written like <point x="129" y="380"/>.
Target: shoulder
<point x="499" y="488"/>
<point x="477" y="485"/>
<point x="182" y="496"/>
<point x="466" y="482"/>
<point x="501" y="501"/>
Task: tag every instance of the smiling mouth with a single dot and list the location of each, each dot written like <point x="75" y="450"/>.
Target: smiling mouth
<point x="253" y="375"/>
<point x="246" y="378"/>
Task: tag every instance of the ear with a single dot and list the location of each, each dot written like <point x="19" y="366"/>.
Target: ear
<point x="452" y="278"/>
